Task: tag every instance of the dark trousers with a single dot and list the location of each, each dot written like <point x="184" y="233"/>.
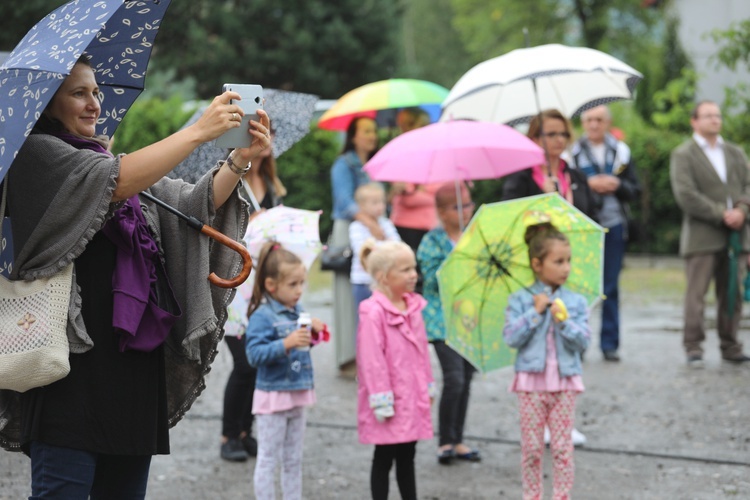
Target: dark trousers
<point x="701" y="269"/>
<point x="454" y="400"/>
<point x="614" y="251"/>
<point x="382" y="460"/>
<point x="238" y="394"/>
<point x="65" y="473"/>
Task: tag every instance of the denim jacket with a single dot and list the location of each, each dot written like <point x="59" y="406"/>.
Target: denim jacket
<point x="278" y="370"/>
<point x="346" y="176"/>
<point x="526" y="330"/>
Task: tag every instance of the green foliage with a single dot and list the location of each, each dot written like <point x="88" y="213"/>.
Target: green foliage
<point x="149" y="121"/>
<point x="674" y="103"/>
<point x="305" y="171"/>
<point x="736" y="126"/>
<point x="315" y="46"/>
<point x="432" y="48"/>
<point x="736" y="44"/>
<point x="656" y="210"/>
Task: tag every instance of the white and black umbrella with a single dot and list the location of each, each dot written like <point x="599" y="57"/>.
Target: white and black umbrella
<point x="514" y="87"/>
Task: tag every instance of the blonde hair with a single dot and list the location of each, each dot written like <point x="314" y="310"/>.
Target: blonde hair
<point x="378" y="259"/>
<point x="366" y="189"/>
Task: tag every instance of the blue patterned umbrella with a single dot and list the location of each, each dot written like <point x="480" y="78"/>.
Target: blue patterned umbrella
<point x="117" y="34"/>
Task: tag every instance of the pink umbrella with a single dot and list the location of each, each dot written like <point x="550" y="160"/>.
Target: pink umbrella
<point x="454" y="151"/>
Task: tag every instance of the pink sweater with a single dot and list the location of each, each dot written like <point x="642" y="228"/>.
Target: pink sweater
<point x="549" y="380"/>
<point x="415" y="209"/>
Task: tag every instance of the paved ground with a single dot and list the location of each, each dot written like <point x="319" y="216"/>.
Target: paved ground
<point x="655" y="429"/>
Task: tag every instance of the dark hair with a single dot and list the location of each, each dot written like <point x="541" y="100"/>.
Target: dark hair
<point x="538" y="236"/>
<point x="267" y="171"/>
<point x="696" y="109"/>
<point x="535" y="125"/>
<point x="351" y="131"/>
<point x="272" y="257"/>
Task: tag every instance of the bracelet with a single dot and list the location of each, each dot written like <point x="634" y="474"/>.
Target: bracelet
<point x="234" y="168"/>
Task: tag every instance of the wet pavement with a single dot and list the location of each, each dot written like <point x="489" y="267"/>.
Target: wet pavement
<point x="655" y="429"/>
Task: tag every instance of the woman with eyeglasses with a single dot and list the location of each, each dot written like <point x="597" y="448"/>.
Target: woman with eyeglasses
<point x="554" y="134"/>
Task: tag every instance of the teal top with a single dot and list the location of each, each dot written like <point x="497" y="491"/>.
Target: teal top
<point x="433" y="250"/>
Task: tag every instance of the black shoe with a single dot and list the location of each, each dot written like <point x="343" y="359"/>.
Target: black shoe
<point x="233" y="451"/>
<point x="250" y="445"/>
<point x="742" y="358"/>
<point x="611" y="356"/>
<point x="472" y="456"/>
<point x="445" y="457"/>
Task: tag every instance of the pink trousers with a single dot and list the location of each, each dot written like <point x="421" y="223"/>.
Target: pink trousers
<point x="556" y="410"/>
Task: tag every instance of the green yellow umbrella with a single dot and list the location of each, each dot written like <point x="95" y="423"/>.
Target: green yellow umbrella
<point x="490" y="262"/>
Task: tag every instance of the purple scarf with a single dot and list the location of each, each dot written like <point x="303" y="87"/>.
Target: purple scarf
<point x="142" y="324"/>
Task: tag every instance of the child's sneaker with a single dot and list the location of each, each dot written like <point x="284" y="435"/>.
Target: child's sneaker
<point x="579" y="439"/>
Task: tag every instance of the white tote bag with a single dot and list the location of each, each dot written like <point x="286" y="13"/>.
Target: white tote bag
<point x="33" y="321"/>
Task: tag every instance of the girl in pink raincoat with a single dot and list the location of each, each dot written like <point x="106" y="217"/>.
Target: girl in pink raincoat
<point x="396" y="387"/>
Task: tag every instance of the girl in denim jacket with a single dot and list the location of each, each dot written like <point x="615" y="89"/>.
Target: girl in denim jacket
<point x="284" y="384"/>
<point x="549" y="327"/>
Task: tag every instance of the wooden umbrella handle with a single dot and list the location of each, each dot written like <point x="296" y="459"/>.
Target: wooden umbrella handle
<point x="247" y="261"/>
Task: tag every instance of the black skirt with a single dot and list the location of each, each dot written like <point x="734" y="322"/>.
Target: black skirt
<point x="112" y="402"/>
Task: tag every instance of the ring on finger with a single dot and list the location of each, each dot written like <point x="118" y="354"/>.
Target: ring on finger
<point x="235" y="117"/>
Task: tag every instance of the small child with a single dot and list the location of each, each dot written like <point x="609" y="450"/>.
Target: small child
<point x="396" y="387"/>
<point x="284" y="384"/>
<point x="371" y="200"/>
<point x="550" y="330"/>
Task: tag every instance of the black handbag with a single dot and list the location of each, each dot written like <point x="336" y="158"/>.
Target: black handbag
<point x="336" y="258"/>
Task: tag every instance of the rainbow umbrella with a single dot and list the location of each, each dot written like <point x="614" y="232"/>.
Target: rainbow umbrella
<point x="381" y="96"/>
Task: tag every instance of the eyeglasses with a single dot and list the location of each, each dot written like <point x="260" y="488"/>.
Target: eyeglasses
<point x="711" y="115"/>
<point x="552" y="135"/>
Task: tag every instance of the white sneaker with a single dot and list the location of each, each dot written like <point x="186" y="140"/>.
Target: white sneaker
<point x="579" y="439"/>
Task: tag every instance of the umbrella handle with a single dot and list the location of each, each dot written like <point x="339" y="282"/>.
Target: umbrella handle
<point x="247" y="261"/>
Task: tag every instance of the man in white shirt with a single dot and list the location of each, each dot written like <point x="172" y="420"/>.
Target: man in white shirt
<point x="711" y="184"/>
<point x="612" y="179"/>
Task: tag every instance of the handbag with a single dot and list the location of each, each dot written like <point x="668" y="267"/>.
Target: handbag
<point x="33" y="323"/>
<point x="336" y="258"/>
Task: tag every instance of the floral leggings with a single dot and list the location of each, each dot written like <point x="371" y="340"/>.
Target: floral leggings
<point x="280" y="440"/>
<point x="557" y="411"/>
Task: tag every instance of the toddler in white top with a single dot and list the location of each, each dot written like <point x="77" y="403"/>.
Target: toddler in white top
<point x="371" y="200"/>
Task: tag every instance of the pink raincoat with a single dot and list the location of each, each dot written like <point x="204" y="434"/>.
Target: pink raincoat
<point x="393" y="365"/>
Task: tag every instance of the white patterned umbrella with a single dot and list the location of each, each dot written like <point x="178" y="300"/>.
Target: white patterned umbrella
<point x="514" y="87"/>
<point x="117" y="35"/>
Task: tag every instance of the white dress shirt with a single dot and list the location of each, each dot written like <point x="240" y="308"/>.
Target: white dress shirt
<point x="715" y="155"/>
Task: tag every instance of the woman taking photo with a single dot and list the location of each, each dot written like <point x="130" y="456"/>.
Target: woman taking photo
<point x="93" y="433"/>
<point x="346" y="176"/>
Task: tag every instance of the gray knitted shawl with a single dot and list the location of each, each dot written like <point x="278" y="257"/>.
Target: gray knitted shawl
<point x="59" y="197"/>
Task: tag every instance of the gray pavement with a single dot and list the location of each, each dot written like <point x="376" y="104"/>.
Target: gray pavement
<point x="655" y="429"/>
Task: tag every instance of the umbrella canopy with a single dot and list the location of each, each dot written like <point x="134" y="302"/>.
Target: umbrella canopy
<point x="514" y="87"/>
<point x="454" y="151"/>
<point x="384" y="95"/>
<point x="490" y="261"/>
<point x="118" y="35"/>
<point x="290" y="113"/>
<point x="296" y="229"/>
